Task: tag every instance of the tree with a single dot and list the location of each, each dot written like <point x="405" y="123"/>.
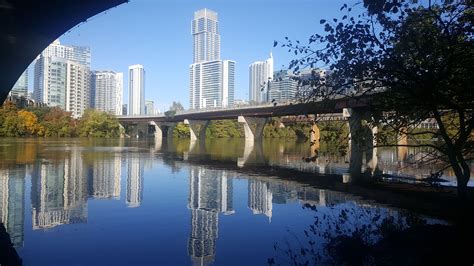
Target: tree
<point x="58" y="123"/>
<point x="176" y="106"/>
<point x="95" y="123"/>
<point x="414" y="61"/>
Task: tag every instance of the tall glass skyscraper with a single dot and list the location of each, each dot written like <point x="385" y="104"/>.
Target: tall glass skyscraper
<point x="107" y="91"/>
<point x="20" y="89"/>
<point x="211" y="79"/>
<point x="136" y="93"/>
<point x="205" y="31"/>
<point x="260" y="73"/>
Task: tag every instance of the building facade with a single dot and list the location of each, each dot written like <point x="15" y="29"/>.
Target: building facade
<point x="78" y="97"/>
<point x="283" y="88"/>
<point x="211" y="79"/>
<point x="136" y="94"/>
<point x="20" y="89"/>
<point x="62" y="77"/>
<point x="107" y="91"/>
<point x="260" y="74"/>
<point x="149" y="107"/>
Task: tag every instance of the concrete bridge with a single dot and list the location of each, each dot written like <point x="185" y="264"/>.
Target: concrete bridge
<point x="254" y="118"/>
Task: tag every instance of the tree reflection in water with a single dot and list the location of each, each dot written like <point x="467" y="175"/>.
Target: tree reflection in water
<point x="353" y="234"/>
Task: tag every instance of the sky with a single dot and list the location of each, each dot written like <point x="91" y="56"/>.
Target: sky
<point x="157" y="35"/>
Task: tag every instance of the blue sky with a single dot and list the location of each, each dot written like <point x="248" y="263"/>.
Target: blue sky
<point x="157" y="35"/>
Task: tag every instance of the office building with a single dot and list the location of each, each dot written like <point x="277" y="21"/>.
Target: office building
<point x="149" y="107"/>
<point x="283" y="88"/>
<point x="20" y="89"/>
<point x="107" y="91"/>
<point x="62" y="77"/>
<point x="260" y="74"/>
<point x="211" y="79"/>
<point x="136" y="92"/>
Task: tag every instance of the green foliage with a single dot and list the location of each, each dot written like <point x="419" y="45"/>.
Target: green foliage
<point x="98" y="124"/>
<point x="224" y="129"/>
<point x="273" y="129"/>
<point x="176" y="106"/>
<point x="58" y="123"/>
<point x="55" y="122"/>
<point x="181" y="131"/>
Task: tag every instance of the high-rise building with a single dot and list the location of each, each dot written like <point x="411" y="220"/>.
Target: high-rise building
<point x="50" y="81"/>
<point x="62" y="78"/>
<point x="260" y="74"/>
<point x="149" y="107"/>
<point x="79" y="54"/>
<point x="211" y="79"/>
<point x="77" y="88"/>
<point x="124" y="109"/>
<point x="136" y="92"/>
<point x="283" y="88"/>
<point x="20" y="89"/>
<point x="212" y="84"/>
<point x="206" y="38"/>
<point x="107" y="91"/>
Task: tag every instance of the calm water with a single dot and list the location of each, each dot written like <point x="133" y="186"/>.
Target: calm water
<point x="128" y="202"/>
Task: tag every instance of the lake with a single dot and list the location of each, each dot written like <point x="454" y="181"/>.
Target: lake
<point x="220" y="202"/>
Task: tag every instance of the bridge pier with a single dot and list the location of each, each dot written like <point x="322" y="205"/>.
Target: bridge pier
<point x="362" y="139"/>
<point x="315" y="136"/>
<point x="250" y="133"/>
<point x="196" y="126"/>
<point x="163" y="128"/>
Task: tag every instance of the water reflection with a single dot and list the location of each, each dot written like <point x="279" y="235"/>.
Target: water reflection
<point x="135" y="181"/>
<point x="210" y="192"/>
<point x="67" y="175"/>
<point x="59" y="192"/>
<point x="12" y="203"/>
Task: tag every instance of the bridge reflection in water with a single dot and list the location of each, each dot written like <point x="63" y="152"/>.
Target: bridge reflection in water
<point x="65" y="178"/>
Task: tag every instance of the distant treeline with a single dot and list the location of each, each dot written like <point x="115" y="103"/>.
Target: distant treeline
<point x="55" y="122"/>
<point x="330" y="131"/>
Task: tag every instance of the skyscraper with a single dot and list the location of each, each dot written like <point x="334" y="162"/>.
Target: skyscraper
<point x="107" y="91"/>
<point x="136" y="93"/>
<point x="206" y="38"/>
<point x="20" y="89"/>
<point x="284" y="87"/>
<point x="78" y="97"/>
<point x="62" y="77"/>
<point x="211" y="79"/>
<point x="260" y="73"/>
<point x="149" y="107"/>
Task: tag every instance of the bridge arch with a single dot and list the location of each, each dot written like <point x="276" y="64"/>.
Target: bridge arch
<point x="28" y="27"/>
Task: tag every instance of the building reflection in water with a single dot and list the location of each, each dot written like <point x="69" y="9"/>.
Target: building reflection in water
<point x="12" y="204"/>
<point x="260" y="198"/>
<point x="59" y="192"/>
<point x="210" y="193"/>
<point x="135" y="181"/>
<point x="104" y="179"/>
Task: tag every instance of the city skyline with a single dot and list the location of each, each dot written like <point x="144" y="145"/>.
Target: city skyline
<point x="167" y="60"/>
